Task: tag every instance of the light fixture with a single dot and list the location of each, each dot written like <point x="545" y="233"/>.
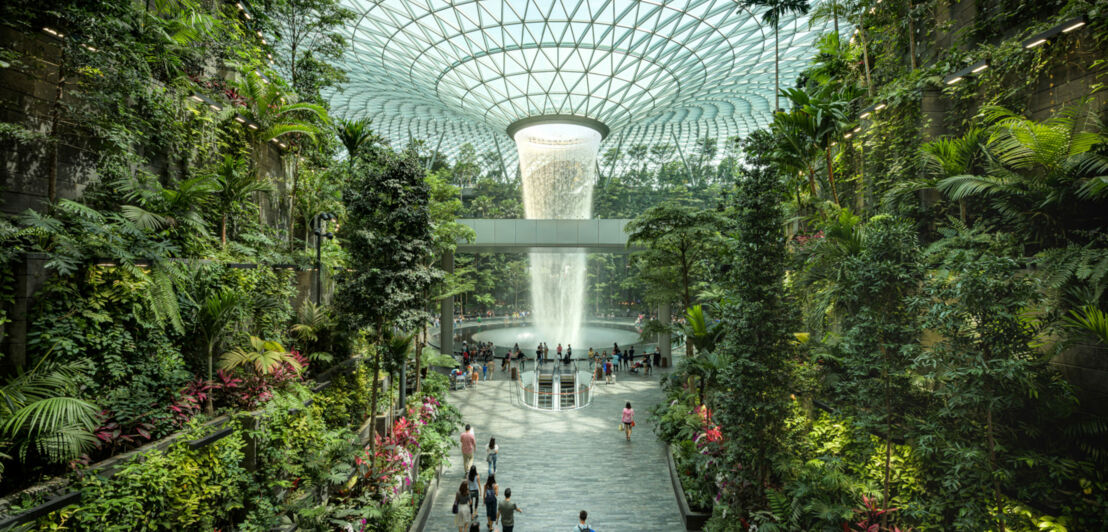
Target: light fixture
<point x="879" y="107"/>
<point x="263" y="41"/>
<point x="89" y="48"/>
<point x="54" y="32"/>
<point x="967" y="72"/>
<point x="252" y="125"/>
<point x="282" y="145"/>
<point x="247" y="15"/>
<point x="240" y="119"/>
<point x="848" y="135"/>
<point x="858" y="129"/>
<point x="1042" y="38"/>
<point x="865" y="114"/>
<point x="215" y="107"/>
<point x="197" y="98"/>
<point x="259" y="33"/>
<point x="274" y="140"/>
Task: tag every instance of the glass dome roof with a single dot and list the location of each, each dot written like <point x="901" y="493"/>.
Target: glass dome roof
<point x="452" y="72"/>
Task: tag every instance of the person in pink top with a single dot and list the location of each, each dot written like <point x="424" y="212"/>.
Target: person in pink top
<point x="469" y="445"/>
<point x="627" y="421"/>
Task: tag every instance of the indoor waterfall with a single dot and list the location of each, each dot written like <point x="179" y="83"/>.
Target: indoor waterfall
<point x="558" y="164"/>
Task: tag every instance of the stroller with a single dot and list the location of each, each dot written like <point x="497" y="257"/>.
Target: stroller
<point x="458" y="380"/>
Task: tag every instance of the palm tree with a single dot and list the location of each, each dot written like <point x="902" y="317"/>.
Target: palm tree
<point x="216" y="323"/>
<point x="944" y="158"/>
<point x="811" y="127"/>
<point x="703" y="337"/>
<point x="1040" y="175"/>
<point x="234" y="186"/>
<point x="278" y="116"/>
<point x="313" y="322"/>
<point x="775" y="9"/>
<point x="355" y="134"/>
<point x="40" y="413"/>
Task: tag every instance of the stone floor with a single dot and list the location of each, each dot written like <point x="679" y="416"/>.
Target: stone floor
<point x="559" y="463"/>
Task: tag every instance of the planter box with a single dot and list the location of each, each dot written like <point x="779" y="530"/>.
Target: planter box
<point x="693" y="519"/>
<point x="424" y="512"/>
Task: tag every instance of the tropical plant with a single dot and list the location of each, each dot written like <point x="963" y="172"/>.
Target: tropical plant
<point x="941" y="159"/>
<point x="812" y="126"/>
<point x="41" y="413"/>
<point x="1046" y="177"/>
<point x="775" y="9"/>
<point x="234" y="188"/>
<point x="356" y="135"/>
<point x="314" y="322"/>
<point x="1090" y="321"/>
<point x="217" y="322"/>
<point x="263" y="356"/>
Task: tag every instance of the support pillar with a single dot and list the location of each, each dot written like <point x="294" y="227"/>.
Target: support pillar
<point x="446" y="314"/>
<point x="664" y="346"/>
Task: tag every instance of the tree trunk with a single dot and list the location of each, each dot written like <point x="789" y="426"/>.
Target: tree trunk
<point x="776" y="68"/>
<point x="223" y="230"/>
<point x="992" y="467"/>
<point x="911" y="37"/>
<point x="812" y="181"/>
<point x="831" y="177"/>
<point x="688" y="299"/>
<point x="888" y="440"/>
<point x="211" y="380"/>
<point x="292" y="201"/>
<point x="55" y="117"/>
<point x="865" y="59"/>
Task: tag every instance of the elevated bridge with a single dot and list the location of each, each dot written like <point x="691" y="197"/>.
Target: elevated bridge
<point x="561" y="236"/>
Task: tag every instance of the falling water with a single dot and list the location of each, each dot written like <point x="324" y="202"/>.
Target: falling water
<point x="558" y="162"/>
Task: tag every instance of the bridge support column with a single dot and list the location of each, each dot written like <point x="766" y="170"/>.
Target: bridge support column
<point x="446" y="312"/>
<point x="664" y="345"/>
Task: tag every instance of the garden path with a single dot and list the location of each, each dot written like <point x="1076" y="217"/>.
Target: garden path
<point x="558" y="463"/>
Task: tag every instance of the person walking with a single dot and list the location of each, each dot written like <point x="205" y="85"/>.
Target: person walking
<point x="462" y="515"/>
<point x="627" y="420"/>
<point x="630" y="356"/>
<point x="491" y="453"/>
<point x="469" y="444"/>
<point x="491" y="492"/>
<point x="474" y="480"/>
<point x="583" y="522"/>
<point x="538" y="355"/>
<point x="506" y="512"/>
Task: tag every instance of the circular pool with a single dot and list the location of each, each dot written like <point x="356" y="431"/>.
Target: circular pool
<point x="599" y="338"/>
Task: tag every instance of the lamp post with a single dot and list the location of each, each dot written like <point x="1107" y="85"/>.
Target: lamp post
<point x="320" y="219"/>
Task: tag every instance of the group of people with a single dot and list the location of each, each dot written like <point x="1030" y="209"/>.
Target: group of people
<point x="605" y="363"/>
<point x="472" y="490"/>
<point x="473" y="493"/>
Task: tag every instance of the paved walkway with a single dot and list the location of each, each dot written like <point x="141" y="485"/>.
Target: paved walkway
<point x="559" y="463"/>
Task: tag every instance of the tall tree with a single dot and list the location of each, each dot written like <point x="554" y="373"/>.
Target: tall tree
<point x="388" y="237"/>
<point x="309" y="37"/>
<point x="677" y="239"/>
<point x="775" y="9"/>
<point x="754" y="382"/>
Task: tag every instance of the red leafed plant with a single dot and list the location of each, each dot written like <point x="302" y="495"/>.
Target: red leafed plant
<point x="112" y="435"/>
<point x="869" y="517"/>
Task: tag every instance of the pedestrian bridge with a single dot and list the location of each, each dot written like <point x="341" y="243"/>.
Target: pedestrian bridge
<point x="507" y="235"/>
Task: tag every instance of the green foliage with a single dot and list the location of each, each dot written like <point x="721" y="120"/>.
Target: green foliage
<point x="1090" y="321"/>
<point x="264" y="356"/>
<point x="176" y="489"/>
<point x="42" y="415"/>
<point x="388" y="237"/>
<point x="755" y="379"/>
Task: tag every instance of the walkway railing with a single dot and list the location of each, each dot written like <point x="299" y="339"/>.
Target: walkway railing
<point x="534" y="393"/>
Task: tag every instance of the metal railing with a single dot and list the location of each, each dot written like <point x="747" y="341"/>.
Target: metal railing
<point x="535" y="391"/>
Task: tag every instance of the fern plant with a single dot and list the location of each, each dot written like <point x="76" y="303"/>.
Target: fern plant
<point x="1090" y="321"/>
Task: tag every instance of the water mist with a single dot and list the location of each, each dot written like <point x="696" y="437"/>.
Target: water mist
<point x="558" y="163"/>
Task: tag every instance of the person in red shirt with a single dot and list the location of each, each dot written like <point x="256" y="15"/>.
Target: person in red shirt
<point x="469" y="445"/>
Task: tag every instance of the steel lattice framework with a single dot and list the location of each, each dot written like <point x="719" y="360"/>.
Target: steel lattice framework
<point x="456" y="72"/>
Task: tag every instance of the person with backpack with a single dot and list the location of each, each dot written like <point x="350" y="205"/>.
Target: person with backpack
<point x="582" y="525"/>
<point x="506" y="513"/>
<point x="462" y="515"/>
<point x="491" y="491"/>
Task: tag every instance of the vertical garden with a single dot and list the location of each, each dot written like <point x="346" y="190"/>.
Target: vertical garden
<point x="179" y="351"/>
<point x="900" y="325"/>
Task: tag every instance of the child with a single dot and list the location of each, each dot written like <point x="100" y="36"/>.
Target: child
<point x="485" y="371"/>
